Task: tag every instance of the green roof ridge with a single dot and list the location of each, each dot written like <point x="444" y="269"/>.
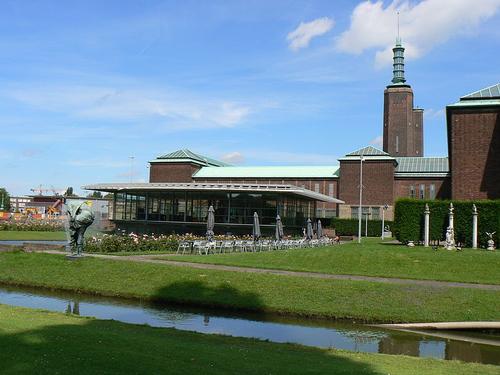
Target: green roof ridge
<point x="188" y="154"/>
<point x="368" y="151"/>
<point x="489" y="92"/>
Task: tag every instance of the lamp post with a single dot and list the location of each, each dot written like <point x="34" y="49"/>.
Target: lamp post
<point x="383" y="219"/>
<point x="360" y="195"/>
<point x="131" y="167"/>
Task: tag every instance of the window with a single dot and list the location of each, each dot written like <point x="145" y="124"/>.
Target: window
<point x="422" y="191"/>
<point x="432" y="191"/>
<point x="330" y="190"/>
<point x="375" y="213"/>
<point x="316" y="188"/>
<point x="412" y="191"/>
<point x="354" y="212"/>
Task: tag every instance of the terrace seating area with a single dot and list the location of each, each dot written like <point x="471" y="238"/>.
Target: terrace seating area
<point x="205" y="247"/>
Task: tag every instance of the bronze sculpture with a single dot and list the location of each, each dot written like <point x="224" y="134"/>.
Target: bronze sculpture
<point x="80" y="218"/>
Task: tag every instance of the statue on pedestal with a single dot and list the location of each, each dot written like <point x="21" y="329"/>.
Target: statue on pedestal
<point x="450" y="239"/>
<point x="80" y="218"/>
<point x="491" y="243"/>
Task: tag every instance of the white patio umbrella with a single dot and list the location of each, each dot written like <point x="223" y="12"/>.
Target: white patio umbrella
<point x="256" y="227"/>
<point x="279" y="228"/>
<point x="210" y="223"/>
<point x="319" y="230"/>
<point x="309" y="229"/>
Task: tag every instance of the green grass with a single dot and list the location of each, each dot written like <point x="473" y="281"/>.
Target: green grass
<point x="14" y="235"/>
<point x="34" y="341"/>
<point x="357" y="300"/>
<point x="371" y="258"/>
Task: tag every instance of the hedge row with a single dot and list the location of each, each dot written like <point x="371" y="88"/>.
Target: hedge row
<point x="409" y="220"/>
<point x="349" y="227"/>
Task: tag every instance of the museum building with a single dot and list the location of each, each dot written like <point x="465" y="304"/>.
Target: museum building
<point x="183" y="184"/>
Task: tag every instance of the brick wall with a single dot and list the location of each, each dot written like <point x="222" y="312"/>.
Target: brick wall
<point x="474" y="147"/>
<point x="378" y="177"/>
<point x="172" y="172"/>
<point x="441" y="185"/>
<point x="418" y="130"/>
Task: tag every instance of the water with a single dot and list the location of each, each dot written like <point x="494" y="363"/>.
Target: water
<point x="317" y="333"/>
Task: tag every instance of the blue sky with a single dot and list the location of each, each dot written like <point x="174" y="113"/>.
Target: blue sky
<point x="86" y="85"/>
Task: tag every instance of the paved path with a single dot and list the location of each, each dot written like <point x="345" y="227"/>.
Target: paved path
<point x="205" y="266"/>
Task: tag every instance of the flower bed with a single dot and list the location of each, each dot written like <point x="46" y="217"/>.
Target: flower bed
<point x="33" y="225"/>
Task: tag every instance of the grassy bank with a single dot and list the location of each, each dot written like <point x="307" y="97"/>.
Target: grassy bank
<point x="371" y="258"/>
<point x="14" y="235"/>
<point x="42" y="342"/>
<point x="359" y="300"/>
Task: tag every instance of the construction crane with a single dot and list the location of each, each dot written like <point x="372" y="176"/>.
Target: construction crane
<point x="41" y="190"/>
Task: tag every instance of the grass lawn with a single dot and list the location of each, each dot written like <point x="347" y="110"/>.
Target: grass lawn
<point x="34" y="341"/>
<point x="371" y="258"/>
<point x="357" y="300"/>
<point x="14" y="235"/>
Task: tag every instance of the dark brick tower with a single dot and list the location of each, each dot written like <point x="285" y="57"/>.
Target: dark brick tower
<point x="403" y="124"/>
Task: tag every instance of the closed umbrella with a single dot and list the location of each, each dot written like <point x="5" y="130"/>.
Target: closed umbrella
<point x="210" y="223"/>
<point x="279" y="228"/>
<point x="309" y="229"/>
<point x="256" y="227"/>
<point x="319" y="230"/>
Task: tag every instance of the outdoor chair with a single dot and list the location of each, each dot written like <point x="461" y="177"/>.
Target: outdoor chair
<point x="239" y="246"/>
<point x="249" y="246"/>
<point x="183" y="247"/>
<point x="199" y="247"/>
<point x="227" y="246"/>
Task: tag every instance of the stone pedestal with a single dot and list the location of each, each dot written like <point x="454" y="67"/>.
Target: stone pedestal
<point x="474" y="226"/>
<point x="426" y="225"/>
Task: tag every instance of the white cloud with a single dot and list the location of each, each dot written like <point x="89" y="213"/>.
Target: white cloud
<point x="302" y="35"/>
<point x="423" y="25"/>
<point x="233" y="157"/>
<point x="378" y="141"/>
<point x="133" y="104"/>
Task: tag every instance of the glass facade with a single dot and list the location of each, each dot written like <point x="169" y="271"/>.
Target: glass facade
<point x="230" y="207"/>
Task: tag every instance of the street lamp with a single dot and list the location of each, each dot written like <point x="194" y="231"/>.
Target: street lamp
<point x="383" y="218"/>
<point x="131" y="167"/>
<point x="360" y="195"/>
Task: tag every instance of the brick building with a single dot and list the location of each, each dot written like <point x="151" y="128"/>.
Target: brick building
<point x="474" y="145"/>
<point x="472" y="170"/>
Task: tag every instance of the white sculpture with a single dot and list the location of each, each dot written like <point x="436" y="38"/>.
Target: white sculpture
<point x="491" y="243"/>
<point x="450" y="239"/>
<point x="474" y="226"/>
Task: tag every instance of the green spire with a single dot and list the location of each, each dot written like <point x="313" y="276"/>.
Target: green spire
<point x="398" y="71"/>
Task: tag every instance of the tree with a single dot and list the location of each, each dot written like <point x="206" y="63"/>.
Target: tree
<point x="95" y="194"/>
<point x="4" y="200"/>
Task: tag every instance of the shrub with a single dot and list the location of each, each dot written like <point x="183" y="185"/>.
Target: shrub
<point x="33" y="225"/>
<point x="349" y="227"/>
<point x="409" y="220"/>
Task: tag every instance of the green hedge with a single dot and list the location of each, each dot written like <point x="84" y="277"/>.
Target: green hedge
<point x="349" y="227"/>
<point x="409" y="220"/>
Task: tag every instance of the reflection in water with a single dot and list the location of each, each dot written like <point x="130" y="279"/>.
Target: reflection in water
<point x="319" y="333"/>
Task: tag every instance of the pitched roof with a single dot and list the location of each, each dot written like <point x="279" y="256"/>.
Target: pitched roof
<point x="368" y="151"/>
<point x="186" y="155"/>
<point x="321" y="171"/>
<point x="429" y="166"/>
<point x="488" y="92"/>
